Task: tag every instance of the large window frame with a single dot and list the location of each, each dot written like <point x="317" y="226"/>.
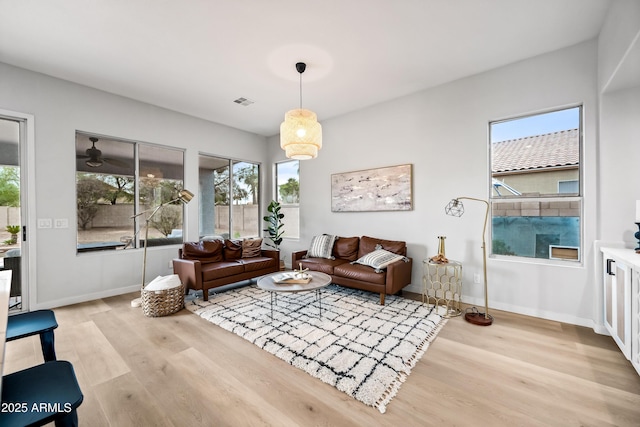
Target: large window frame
<point x="532" y="217"/>
<point x="287" y="193"/>
<point x="119" y="185"/>
<point x="229" y="193"/>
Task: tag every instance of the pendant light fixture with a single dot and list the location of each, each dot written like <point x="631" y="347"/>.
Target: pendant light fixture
<point x="300" y="133"/>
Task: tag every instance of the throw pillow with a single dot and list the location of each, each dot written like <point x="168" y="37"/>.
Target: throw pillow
<point x="379" y="259"/>
<point x="346" y="248"/>
<point x="369" y="244"/>
<point x="321" y="246"/>
<point x="232" y="249"/>
<point x="251" y="248"/>
<point x="205" y="252"/>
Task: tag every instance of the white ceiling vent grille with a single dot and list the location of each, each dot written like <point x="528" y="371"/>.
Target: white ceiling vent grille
<point x="243" y="101"/>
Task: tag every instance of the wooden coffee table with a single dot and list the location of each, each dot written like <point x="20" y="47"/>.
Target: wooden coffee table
<point x="318" y="281"/>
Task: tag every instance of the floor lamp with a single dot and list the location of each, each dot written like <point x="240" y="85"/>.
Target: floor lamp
<point x="185" y="197"/>
<point x="456" y="208"/>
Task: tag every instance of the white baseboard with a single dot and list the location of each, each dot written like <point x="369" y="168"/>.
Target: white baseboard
<point x="526" y="311"/>
<point x="84" y="298"/>
<point x="533" y="312"/>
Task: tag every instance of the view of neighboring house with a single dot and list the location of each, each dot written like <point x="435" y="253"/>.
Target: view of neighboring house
<point x="526" y="172"/>
<point x="540" y="164"/>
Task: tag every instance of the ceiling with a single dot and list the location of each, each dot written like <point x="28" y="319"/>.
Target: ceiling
<point x="198" y="56"/>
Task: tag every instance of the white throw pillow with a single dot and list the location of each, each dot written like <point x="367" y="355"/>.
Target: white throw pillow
<point x="322" y="247"/>
<point x="162" y="283"/>
<point x="379" y="259"/>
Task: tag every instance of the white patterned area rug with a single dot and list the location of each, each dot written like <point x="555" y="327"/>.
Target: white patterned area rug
<point x="358" y="346"/>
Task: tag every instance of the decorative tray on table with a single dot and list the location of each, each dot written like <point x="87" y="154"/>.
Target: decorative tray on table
<point x="291" y="278"/>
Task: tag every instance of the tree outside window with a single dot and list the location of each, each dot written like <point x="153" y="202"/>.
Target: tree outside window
<point x="288" y="194"/>
<point x="229" y="198"/>
<point x="113" y="184"/>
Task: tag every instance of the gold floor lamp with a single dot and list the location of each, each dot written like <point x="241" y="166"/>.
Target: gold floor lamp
<point x="456" y="208"/>
<point x="185" y="197"/>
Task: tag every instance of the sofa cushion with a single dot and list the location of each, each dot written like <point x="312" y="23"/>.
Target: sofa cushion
<point x="379" y="259"/>
<point x="205" y="252"/>
<point x="257" y="263"/>
<point x="221" y="269"/>
<point x="346" y="248"/>
<point x="232" y="249"/>
<point x="321" y="246"/>
<point x="251" y="248"/>
<point x="368" y="244"/>
<point x="360" y="272"/>
<point x="322" y="265"/>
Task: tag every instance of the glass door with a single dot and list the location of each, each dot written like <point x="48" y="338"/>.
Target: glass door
<point x="11" y="224"/>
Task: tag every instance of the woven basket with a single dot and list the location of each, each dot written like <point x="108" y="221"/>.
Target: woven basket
<point x="162" y="303"/>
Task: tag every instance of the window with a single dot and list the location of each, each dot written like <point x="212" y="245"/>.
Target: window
<point x="536" y="199"/>
<point x="568" y="187"/>
<point x="229" y="198"/>
<point x="288" y="194"/>
<point x="118" y="186"/>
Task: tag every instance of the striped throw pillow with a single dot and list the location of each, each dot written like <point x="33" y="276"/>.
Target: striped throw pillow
<point x="322" y="247"/>
<point x="379" y="259"/>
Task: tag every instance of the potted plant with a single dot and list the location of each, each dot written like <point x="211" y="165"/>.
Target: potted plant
<point x="13" y="230"/>
<point x="274" y="226"/>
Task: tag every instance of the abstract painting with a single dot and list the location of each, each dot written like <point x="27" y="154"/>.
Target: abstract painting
<point x="381" y="189"/>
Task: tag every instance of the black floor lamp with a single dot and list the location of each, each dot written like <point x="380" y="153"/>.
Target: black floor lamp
<point x="185" y="197"/>
<point x="456" y="208"/>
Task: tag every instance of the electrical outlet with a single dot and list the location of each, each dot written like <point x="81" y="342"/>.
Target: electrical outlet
<point x="477" y="278"/>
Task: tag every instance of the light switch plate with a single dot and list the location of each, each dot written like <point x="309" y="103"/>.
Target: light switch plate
<point x="44" y="222"/>
<point x="61" y="223"/>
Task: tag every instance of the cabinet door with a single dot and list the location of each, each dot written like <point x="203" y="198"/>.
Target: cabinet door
<point x="635" y="319"/>
<point x="617" y="303"/>
<point x="609" y="275"/>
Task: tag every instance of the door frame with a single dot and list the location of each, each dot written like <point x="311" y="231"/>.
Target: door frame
<point x="27" y="202"/>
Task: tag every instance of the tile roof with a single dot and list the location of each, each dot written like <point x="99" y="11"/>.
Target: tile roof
<point x="536" y="152"/>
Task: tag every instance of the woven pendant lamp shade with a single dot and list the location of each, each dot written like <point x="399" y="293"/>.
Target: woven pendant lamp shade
<point x="301" y="134"/>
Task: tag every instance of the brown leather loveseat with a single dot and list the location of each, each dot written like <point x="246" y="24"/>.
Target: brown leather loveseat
<point x="345" y="264"/>
<point x="209" y="264"/>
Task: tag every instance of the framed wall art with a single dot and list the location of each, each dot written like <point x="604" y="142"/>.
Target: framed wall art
<point x="381" y="189"/>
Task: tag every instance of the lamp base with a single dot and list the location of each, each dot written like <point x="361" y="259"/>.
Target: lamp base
<point x="477" y="318"/>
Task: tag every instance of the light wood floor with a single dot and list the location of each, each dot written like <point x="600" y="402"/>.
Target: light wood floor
<point x="181" y="370"/>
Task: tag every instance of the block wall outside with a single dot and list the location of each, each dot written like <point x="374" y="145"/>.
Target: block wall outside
<point x="527" y="208"/>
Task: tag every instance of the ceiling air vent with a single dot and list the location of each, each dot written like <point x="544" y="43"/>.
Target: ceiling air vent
<point x="243" y="101"/>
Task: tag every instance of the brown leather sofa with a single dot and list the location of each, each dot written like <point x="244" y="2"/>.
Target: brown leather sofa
<point x="343" y="272"/>
<point x="209" y="264"/>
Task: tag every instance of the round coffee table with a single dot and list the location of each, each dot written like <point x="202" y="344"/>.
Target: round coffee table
<point x="318" y="281"/>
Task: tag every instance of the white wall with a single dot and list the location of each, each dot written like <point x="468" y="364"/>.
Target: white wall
<point x="443" y="133"/>
<point x="619" y="151"/>
<point x="619" y="31"/>
<point x="58" y="275"/>
<point x="619" y="157"/>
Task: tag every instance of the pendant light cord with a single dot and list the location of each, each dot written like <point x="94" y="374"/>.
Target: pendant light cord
<point x="301" y="91"/>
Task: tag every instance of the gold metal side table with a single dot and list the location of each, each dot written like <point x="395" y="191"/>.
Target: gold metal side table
<point x="442" y="286"/>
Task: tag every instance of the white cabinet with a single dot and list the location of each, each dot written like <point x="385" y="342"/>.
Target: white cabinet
<point x="621" y="288"/>
<point x="617" y="303"/>
<point x="635" y="319"/>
